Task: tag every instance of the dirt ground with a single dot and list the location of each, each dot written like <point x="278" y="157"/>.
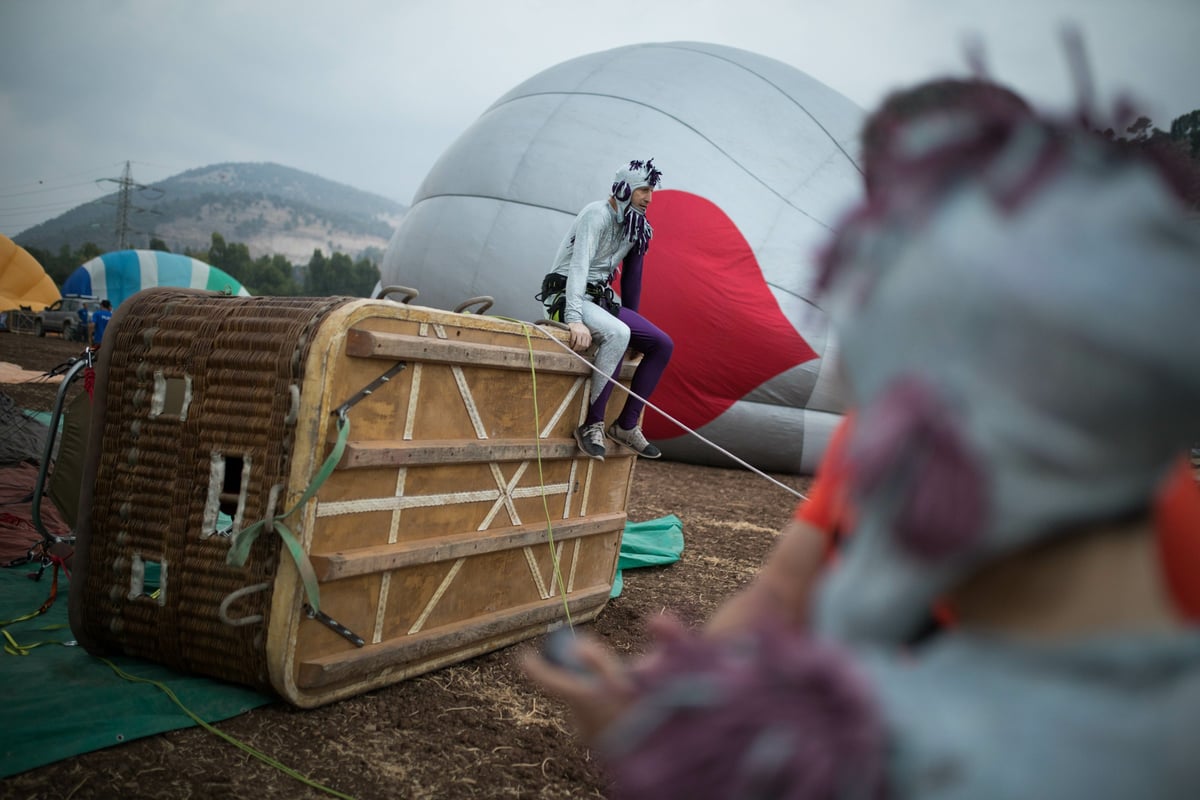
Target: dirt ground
<point x="474" y="730"/>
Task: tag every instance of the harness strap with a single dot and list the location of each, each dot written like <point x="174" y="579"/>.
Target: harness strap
<point x="239" y="549"/>
<point x="553" y="295"/>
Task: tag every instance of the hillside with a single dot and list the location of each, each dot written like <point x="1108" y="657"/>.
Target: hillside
<point x="270" y="208"/>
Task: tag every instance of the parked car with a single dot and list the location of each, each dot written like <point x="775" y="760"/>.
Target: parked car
<point x="62" y="316"/>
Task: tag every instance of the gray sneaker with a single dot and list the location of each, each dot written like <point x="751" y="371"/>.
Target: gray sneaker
<point x="591" y="440"/>
<point x="634" y="440"/>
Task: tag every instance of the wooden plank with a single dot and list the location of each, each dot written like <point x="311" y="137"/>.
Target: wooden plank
<point x="383" y="558"/>
<point x="381" y="344"/>
<point x="359" y="662"/>
<point x="401" y="346"/>
<point x="400" y="453"/>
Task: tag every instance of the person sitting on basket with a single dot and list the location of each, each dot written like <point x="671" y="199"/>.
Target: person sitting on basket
<point x="607" y="237"/>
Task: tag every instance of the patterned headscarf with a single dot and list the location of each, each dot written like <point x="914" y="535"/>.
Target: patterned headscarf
<point x="635" y="176"/>
<point x="1019" y="329"/>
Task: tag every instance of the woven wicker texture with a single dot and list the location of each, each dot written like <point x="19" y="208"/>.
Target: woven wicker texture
<point x="237" y="360"/>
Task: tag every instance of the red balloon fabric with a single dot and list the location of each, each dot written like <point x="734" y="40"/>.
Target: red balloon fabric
<point x="703" y="286"/>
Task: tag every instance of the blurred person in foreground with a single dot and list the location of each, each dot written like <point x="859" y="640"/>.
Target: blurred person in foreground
<point x="1016" y="317"/>
<point x="892" y="141"/>
<point x="825" y="517"/>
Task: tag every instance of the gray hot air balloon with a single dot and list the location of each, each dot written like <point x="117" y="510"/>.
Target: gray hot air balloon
<point x="758" y="162"/>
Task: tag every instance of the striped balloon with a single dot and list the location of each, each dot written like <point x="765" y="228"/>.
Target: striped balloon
<point x="118" y="275"/>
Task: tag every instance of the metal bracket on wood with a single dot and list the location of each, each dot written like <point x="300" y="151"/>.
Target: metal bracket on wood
<point x="334" y="625"/>
<point x="370" y="387"/>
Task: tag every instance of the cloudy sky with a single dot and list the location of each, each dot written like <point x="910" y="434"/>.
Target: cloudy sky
<point x="370" y="92"/>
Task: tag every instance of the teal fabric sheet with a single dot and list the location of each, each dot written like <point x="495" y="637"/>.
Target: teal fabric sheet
<point x="61" y="701"/>
<point x="651" y="543"/>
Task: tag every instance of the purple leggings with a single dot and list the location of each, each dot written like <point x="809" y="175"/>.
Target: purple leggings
<point x="655" y="346"/>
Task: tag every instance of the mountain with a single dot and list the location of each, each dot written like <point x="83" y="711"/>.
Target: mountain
<point x="272" y="209"/>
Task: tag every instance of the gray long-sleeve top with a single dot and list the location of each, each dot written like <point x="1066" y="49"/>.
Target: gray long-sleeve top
<point x="592" y="250"/>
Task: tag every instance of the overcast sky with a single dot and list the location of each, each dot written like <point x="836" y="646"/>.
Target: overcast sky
<point x="370" y="92"/>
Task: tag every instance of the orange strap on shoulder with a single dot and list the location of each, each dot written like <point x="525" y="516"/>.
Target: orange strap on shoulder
<point x="826" y="507"/>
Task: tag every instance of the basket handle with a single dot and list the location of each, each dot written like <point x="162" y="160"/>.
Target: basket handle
<point x="233" y="597"/>
<point x="483" y="301"/>
<point x="409" y="293"/>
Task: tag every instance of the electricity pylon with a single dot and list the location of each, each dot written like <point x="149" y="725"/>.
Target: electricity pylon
<point x="126" y="184"/>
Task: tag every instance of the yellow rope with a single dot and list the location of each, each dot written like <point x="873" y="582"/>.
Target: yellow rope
<point x="258" y="754"/>
<point x="537" y="438"/>
<point x="30" y="615"/>
<point x="15" y="648"/>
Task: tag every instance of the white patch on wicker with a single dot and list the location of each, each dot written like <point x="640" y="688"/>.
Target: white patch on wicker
<point x="212" y="503"/>
<point x="137" y="577"/>
<point x="162" y="583"/>
<point x="240" y="515"/>
<point x="137" y="580"/>
<point x="294" y="409"/>
<point x="158" y="398"/>
<point x="385" y="582"/>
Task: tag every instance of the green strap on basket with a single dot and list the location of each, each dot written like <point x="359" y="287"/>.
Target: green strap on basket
<point x="244" y="539"/>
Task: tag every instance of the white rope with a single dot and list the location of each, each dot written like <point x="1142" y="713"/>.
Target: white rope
<point x="628" y="391"/>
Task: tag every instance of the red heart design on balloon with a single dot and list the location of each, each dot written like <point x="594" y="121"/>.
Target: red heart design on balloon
<point x="703" y="285"/>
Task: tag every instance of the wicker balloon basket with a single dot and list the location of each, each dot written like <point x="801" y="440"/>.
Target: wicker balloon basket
<point x="321" y="496"/>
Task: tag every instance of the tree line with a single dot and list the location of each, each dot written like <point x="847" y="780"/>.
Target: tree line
<point x="322" y="276"/>
<point x="1177" y="148"/>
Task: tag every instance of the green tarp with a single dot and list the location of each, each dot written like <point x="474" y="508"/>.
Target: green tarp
<point x="647" y="544"/>
<point x="63" y="702"/>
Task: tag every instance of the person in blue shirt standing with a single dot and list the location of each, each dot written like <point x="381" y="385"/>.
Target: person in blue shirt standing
<point x="100" y="320"/>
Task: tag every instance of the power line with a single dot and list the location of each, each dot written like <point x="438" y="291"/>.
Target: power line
<point x="47" y="189"/>
<point x="12" y="211"/>
<point x="125" y="186"/>
<point x="49" y="182"/>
